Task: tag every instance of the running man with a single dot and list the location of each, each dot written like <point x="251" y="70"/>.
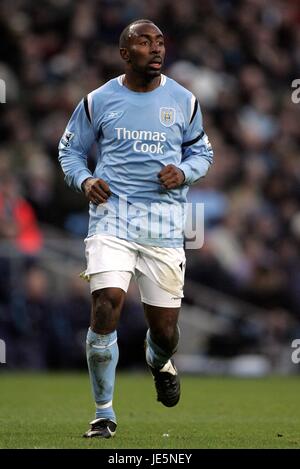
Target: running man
<point x="150" y="148"/>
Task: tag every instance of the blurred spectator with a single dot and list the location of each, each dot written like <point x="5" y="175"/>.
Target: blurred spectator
<point x="28" y="336"/>
<point x="69" y="317"/>
<point x="17" y="219"/>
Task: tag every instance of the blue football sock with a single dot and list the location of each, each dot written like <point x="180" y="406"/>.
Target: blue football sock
<point x="155" y="355"/>
<point x="102" y="357"/>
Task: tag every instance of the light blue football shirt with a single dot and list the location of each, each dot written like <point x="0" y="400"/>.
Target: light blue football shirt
<point x="136" y="135"/>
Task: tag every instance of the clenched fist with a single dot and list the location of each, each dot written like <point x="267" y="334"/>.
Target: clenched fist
<point x="171" y="177"/>
<point x="96" y="190"/>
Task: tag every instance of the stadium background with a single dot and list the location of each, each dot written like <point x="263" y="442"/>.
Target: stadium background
<point x="242" y="305"/>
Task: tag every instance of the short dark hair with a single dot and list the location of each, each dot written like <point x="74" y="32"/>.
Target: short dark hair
<point x="125" y="33"/>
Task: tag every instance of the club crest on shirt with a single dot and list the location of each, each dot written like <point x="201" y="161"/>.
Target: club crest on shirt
<point x="167" y="116"/>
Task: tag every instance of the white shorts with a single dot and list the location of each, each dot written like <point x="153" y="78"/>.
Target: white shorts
<point x="159" y="272"/>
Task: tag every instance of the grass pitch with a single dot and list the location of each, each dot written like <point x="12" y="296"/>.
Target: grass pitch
<point x="53" y="410"/>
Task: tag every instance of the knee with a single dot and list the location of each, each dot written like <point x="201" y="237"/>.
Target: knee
<point x="105" y="311"/>
<point x="166" y="337"/>
<point x="102" y="303"/>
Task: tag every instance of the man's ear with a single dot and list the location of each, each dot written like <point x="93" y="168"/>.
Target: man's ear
<point x="124" y="54"/>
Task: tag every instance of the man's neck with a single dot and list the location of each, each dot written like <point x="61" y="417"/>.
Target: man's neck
<point x="141" y="84"/>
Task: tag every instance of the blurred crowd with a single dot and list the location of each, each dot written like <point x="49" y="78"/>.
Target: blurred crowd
<point x="240" y="59"/>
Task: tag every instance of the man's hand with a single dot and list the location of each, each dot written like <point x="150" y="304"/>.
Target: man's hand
<point x="171" y="177"/>
<point x="96" y="190"/>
